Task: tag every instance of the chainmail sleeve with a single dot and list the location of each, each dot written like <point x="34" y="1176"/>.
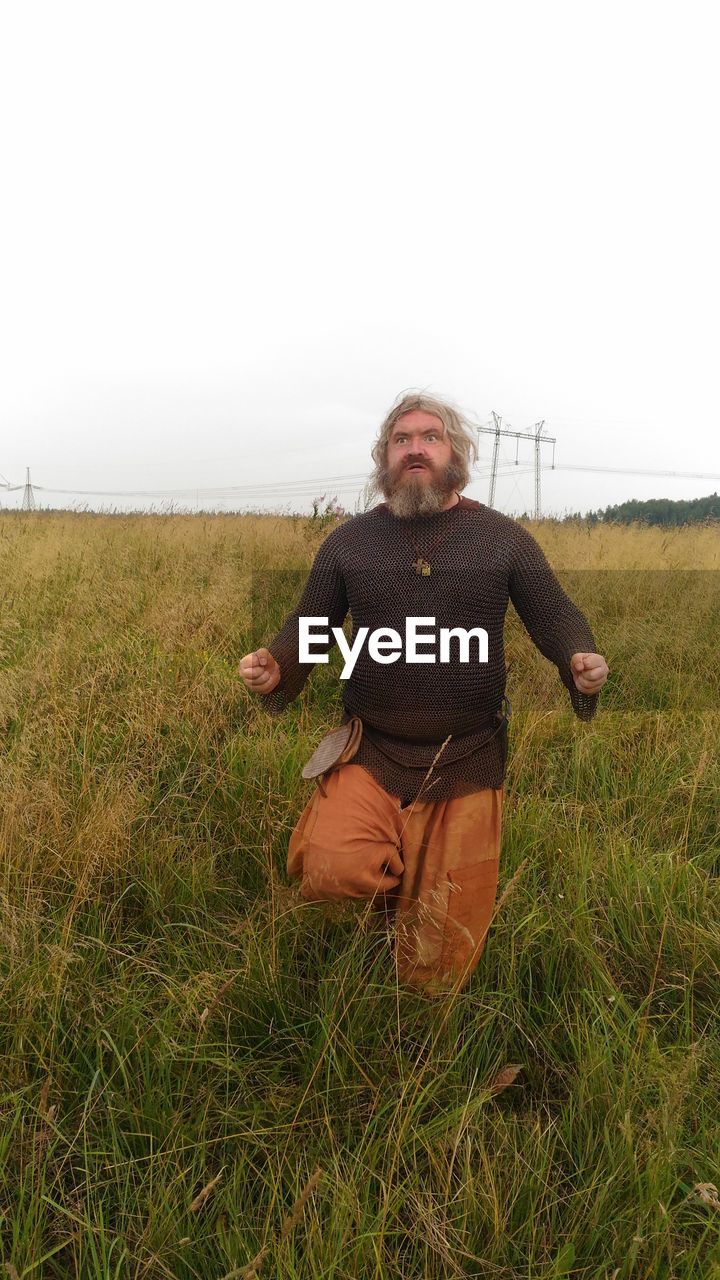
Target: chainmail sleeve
<point x="324" y="596"/>
<point x="555" y="625"/>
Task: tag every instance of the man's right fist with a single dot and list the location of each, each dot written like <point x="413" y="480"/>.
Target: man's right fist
<point x="260" y="671"/>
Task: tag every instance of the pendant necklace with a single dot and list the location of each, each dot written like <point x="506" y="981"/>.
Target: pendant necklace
<point x="421" y="565"/>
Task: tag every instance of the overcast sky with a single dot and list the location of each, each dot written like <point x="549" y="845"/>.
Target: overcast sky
<point x="233" y="233"/>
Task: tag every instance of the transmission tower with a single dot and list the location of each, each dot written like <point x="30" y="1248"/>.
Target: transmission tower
<point x="497" y="430"/>
<point x="496" y="453"/>
<point x="28" y="500"/>
<point x="538" y="432"/>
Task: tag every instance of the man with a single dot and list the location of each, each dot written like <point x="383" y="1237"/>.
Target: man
<point x="413" y="817"/>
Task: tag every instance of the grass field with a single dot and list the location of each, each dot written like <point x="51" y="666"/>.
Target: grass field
<point x="203" y="1076"/>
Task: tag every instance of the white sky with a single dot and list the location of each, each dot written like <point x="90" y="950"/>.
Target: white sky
<point x="231" y="234"/>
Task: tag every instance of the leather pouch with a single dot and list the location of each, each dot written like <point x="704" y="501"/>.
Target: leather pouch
<point x="336" y="748"/>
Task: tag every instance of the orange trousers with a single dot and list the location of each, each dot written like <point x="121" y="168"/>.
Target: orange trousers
<point x="436" y="861"/>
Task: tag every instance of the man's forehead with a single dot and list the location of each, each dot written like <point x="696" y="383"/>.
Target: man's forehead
<point x="418" y="419"/>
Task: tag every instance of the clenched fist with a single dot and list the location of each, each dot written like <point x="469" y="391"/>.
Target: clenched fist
<point x="589" y="671"/>
<point x="260" y="671"/>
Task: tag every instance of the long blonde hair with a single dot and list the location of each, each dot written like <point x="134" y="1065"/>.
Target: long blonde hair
<point x="459" y="430"/>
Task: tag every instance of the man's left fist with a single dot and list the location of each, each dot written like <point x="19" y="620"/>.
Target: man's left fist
<point x="590" y="671"/>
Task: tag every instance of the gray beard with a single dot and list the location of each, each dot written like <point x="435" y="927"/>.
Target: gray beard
<point x="413" y="497"/>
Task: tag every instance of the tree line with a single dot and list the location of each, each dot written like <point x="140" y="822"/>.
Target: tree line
<point x="658" y="511"/>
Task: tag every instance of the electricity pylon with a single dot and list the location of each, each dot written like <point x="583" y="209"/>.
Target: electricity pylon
<point x="538" y="432"/>
<point x="28" y="500"/>
<point x="497" y="431"/>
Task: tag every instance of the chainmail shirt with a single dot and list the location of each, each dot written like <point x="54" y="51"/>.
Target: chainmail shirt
<point x="480" y="559"/>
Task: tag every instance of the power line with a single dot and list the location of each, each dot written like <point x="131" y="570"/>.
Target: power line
<point x="292" y="488"/>
<point x="278" y="486"/>
<point x="352" y="482"/>
<point x="637" y="471"/>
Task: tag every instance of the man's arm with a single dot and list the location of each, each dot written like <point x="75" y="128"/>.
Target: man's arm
<point x="555" y="625"/>
<point x="323" y="596"/>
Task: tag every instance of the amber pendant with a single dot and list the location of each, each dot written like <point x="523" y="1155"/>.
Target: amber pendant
<point x="422" y="566"/>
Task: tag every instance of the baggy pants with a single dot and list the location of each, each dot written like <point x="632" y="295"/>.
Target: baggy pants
<point x="435" y="860"/>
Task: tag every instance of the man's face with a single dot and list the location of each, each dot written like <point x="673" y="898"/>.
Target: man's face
<point x="418" y="445"/>
<point x="419" y="475"/>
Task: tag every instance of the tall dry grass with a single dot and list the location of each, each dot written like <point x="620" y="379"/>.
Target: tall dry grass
<point x="204" y="1076"/>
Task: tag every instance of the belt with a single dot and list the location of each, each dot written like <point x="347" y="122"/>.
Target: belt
<point x="341" y="745"/>
<point x="499" y="719"/>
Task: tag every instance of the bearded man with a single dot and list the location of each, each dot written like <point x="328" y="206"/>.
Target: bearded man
<point x="409" y="812"/>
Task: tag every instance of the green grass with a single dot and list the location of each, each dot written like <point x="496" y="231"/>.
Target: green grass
<point x="171" y="1012"/>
